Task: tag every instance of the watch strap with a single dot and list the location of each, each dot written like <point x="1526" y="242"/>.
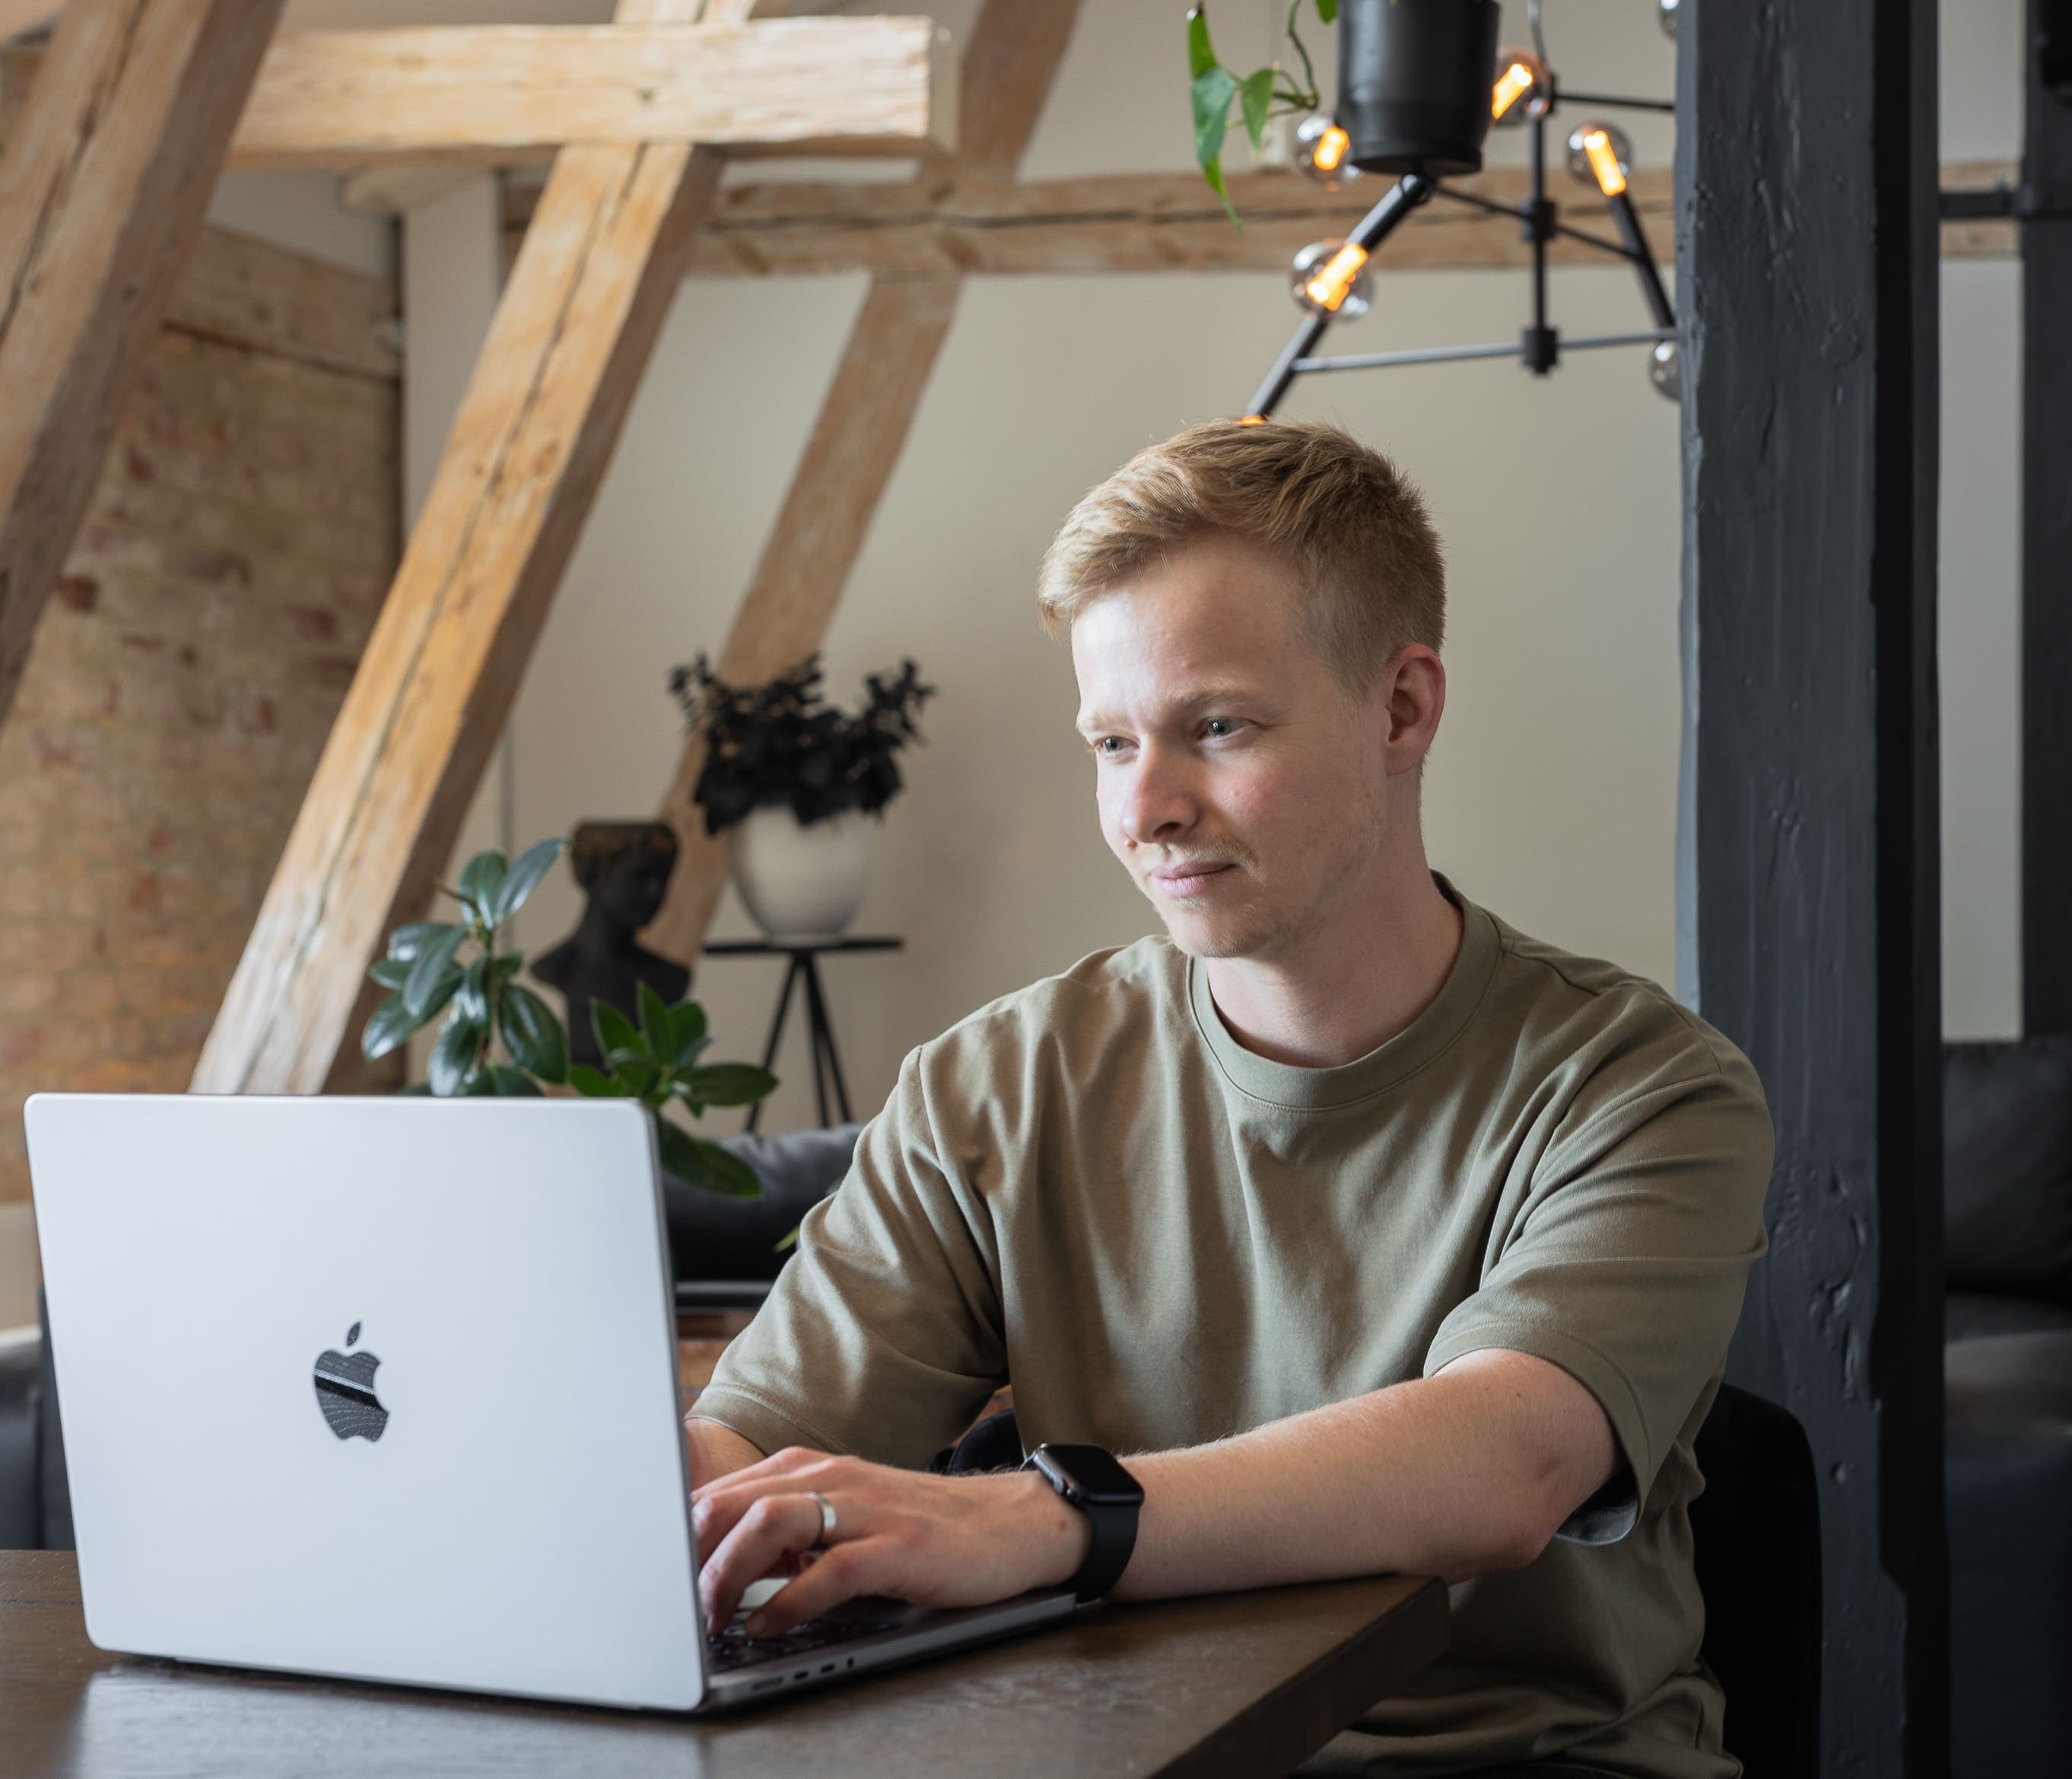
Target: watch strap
<point x="1113" y="1526"/>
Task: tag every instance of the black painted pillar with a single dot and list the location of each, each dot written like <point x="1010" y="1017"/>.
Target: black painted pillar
<point x="2045" y="230"/>
<point x="1806" y="269"/>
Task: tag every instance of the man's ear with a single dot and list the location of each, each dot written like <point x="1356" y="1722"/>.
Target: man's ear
<point x="1416" y="699"/>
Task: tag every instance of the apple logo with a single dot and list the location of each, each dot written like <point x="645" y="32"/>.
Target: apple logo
<point x="345" y="1392"/>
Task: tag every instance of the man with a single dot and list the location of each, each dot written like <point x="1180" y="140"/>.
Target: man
<point x="1374" y="1235"/>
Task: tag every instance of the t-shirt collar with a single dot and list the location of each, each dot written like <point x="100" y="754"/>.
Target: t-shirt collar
<point x="1394" y="1062"/>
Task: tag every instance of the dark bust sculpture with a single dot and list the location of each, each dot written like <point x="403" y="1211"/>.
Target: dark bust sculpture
<point x="624" y="867"/>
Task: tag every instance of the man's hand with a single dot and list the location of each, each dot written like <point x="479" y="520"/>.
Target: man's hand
<point x="937" y="1541"/>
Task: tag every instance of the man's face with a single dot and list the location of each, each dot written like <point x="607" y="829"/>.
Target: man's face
<point x="1241" y="786"/>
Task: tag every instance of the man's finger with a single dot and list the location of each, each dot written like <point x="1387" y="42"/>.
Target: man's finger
<point x="839" y="1574"/>
<point x="772" y="1529"/>
<point x="766" y="1474"/>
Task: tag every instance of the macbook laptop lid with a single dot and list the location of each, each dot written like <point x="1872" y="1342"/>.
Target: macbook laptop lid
<point x="378" y="1388"/>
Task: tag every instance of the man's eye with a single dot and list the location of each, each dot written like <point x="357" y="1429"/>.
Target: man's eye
<point x="1219" y="728"/>
<point x="1110" y="745"/>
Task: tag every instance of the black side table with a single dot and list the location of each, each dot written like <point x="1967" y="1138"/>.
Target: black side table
<point x="804" y="967"/>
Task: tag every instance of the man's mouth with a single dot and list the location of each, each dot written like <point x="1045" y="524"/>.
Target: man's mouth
<point x="1181" y="881"/>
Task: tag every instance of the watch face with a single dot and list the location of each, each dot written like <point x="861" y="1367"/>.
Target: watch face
<point x="1090" y="1474"/>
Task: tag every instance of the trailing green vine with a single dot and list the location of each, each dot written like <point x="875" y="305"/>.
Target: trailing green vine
<point x="1261" y="96"/>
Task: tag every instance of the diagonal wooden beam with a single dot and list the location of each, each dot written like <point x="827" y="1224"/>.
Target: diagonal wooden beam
<point x="1008" y="68"/>
<point x="528" y="447"/>
<point x="103" y="185"/>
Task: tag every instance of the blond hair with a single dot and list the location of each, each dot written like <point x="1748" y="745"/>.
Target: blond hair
<point x="1339" y="515"/>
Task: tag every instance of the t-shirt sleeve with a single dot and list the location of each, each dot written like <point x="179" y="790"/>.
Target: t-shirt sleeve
<point x="1625" y="1262"/>
<point x="882" y="1336"/>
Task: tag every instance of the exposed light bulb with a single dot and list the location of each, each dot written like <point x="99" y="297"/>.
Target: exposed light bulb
<point x="1320" y="148"/>
<point x="1330" y="279"/>
<point x="1665" y="371"/>
<point x="1666" y="12"/>
<point x="1600" y="155"/>
<point x="1252" y="420"/>
<point x="1522" y="89"/>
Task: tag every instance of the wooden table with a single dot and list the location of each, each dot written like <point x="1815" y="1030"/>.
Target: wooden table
<point x="1233" y="1685"/>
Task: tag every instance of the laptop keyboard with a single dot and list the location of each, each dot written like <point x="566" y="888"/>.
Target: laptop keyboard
<point x="733" y="1648"/>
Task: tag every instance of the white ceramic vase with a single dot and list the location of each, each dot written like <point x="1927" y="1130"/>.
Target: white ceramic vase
<point x="802" y="882"/>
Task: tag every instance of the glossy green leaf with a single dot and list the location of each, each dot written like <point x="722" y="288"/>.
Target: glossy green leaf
<point x="731" y="1083"/>
<point x="513" y="1083"/>
<point x="472" y="996"/>
<point x="406" y="942"/>
<point x="638" y="1076"/>
<point x="612" y="1030"/>
<point x="454" y="1057"/>
<point x="479" y="1084"/>
<point x="1212" y="93"/>
<point x="594" y="1083"/>
<point x="705" y="1165"/>
<point x="442" y="991"/>
<point x="1328" y="11"/>
<point x="687" y="1035"/>
<point x="655" y="1024"/>
<point x="523" y="877"/>
<point x="391" y="972"/>
<point x="1255" y="95"/>
<point x="1201" y="57"/>
<point x="389" y="1024"/>
<point x="533" y="1034"/>
<point x="1212" y="97"/>
<point x="428" y="970"/>
<point x="482" y="880"/>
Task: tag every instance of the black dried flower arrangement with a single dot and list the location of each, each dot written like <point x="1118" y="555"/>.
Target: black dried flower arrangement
<point x="782" y="743"/>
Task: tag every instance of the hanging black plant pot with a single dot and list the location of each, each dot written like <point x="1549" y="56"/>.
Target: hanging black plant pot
<point x="1414" y="80"/>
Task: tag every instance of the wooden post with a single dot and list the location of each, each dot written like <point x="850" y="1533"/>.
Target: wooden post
<point x="528" y="448"/>
<point x="1008" y="68"/>
<point x="2045" y="234"/>
<point x="103" y="186"/>
<point x="1806" y="273"/>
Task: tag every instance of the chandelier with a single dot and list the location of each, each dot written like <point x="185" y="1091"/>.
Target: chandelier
<point x="1413" y="75"/>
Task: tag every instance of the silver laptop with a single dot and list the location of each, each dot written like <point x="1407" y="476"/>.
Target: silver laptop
<point x="386" y="1389"/>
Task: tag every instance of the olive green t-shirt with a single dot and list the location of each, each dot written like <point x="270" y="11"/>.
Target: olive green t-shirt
<point x="1091" y="1190"/>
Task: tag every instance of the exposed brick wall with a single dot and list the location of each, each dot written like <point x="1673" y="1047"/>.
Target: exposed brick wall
<point x="180" y="689"/>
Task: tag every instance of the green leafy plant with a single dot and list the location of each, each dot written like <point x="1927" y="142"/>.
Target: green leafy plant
<point x="499" y="1037"/>
<point x="1261" y="96"/>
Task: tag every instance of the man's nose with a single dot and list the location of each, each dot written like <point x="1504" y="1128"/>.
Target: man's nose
<point x="1160" y="806"/>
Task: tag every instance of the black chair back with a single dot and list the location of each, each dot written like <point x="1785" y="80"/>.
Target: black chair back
<point x="1755" y="1537"/>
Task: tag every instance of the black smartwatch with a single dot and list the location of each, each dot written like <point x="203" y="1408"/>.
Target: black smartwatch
<point x="1108" y="1495"/>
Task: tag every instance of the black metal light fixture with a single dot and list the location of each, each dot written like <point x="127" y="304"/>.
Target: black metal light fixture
<point x="1420" y="84"/>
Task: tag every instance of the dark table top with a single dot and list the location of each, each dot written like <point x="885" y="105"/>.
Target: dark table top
<point x="1229" y="1684"/>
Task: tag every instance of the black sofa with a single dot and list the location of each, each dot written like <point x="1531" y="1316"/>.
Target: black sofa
<point x="2008" y="1447"/>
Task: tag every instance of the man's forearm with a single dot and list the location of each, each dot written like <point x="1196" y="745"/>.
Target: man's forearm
<point x="717" y="1450"/>
<point x="1456" y="1475"/>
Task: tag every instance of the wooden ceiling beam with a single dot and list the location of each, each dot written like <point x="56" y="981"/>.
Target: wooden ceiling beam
<point x="955" y="225"/>
<point x="104" y="183"/>
<point x="527" y="450"/>
<point x="495" y="95"/>
<point x="1009" y="64"/>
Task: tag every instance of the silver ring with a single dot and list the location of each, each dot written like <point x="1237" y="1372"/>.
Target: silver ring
<point x="827" y="1513"/>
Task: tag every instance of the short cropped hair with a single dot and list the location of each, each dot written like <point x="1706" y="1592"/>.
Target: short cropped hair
<point x="1337" y="513"/>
